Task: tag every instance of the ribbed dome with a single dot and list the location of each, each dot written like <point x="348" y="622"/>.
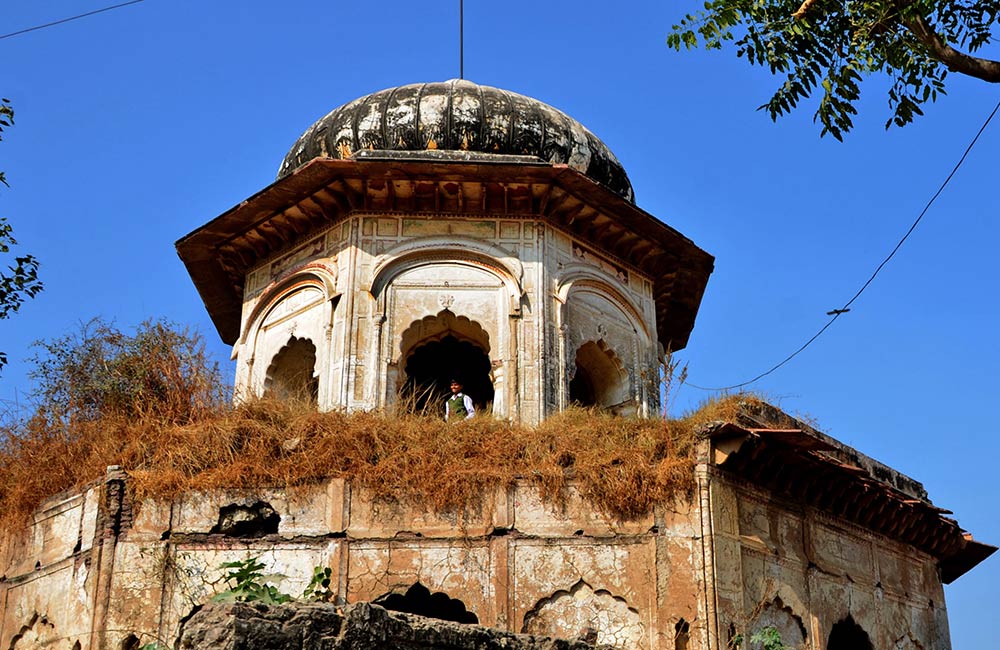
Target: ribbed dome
<point x="459" y="116"/>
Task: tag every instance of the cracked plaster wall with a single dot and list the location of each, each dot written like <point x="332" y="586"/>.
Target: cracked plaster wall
<point x="88" y="572"/>
<point x="820" y="569"/>
<point x="512" y="562"/>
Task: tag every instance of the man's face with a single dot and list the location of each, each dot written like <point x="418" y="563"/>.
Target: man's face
<point x="456" y="388"/>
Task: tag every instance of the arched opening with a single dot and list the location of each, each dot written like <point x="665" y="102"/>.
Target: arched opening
<point x="599" y="379"/>
<point x="848" y="635"/>
<point x="432" y="366"/>
<point x="419" y="600"/>
<point x="780" y="618"/>
<point x="438" y="349"/>
<point x="291" y="374"/>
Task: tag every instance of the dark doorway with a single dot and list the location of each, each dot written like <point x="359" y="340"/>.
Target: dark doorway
<point x="420" y="601"/>
<point x="581" y="388"/>
<point x="431" y="367"/>
<point x="848" y="635"/>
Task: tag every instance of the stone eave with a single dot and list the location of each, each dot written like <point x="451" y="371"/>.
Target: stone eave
<point x="325" y="191"/>
<point x="802" y="465"/>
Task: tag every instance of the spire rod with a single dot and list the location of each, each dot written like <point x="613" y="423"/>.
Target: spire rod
<point x="461" y="39"/>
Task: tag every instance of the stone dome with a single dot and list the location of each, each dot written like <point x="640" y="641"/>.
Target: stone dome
<point x="463" y="117"/>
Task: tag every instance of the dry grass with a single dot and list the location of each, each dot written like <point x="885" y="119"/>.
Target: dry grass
<point x="622" y="465"/>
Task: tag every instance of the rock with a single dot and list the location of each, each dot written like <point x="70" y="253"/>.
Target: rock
<point x="363" y="626"/>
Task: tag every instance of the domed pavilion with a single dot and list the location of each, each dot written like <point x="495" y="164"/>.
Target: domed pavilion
<point x="444" y="230"/>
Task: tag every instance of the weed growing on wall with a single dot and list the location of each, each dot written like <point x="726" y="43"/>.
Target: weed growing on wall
<point x="319" y="587"/>
<point x="249" y="584"/>
<point x="766" y="638"/>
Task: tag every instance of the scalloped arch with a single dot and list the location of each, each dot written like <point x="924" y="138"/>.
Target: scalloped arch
<point x="783" y="618"/>
<point x="583" y="611"/>
<point x="440" y="325"/>
<point x="292" y="369"/>
<point x="418" y="599"/>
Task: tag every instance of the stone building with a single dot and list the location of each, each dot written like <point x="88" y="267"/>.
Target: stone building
<point x="439" y="229"/>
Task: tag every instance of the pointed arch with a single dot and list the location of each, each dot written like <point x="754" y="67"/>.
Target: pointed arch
<point x="454" y="250"/>
<point x="436" y="327"/>
<point x="321" y="275"/>
<point x="846" y="634"/>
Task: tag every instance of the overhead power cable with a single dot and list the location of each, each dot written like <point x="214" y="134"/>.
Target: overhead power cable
<point x="71" y="18"/>
<point x="837" y="313"/>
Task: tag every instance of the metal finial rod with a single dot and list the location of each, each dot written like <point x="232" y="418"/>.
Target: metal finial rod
<point x="461" y="39"/>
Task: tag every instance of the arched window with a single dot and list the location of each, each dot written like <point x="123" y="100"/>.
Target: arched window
<point x="438" y="349"/>
<point x="291" y="374"/>
<point x="848" y="635"/>
<point x="599" y="379"/>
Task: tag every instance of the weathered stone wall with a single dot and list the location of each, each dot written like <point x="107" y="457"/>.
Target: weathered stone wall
<point x="372" y="288"/>
<point x="91" y="574"/>
<point x="311" y="626"/>
<point x="518" y="563"/>
<point x="801" y="570"/>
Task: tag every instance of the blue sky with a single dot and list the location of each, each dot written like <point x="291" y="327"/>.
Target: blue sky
<point x="136" y="126"/>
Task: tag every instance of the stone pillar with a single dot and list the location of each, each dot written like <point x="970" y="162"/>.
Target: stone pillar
<point x="114" y="515"/>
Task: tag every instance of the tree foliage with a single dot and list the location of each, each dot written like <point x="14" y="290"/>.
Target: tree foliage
<point x="827" y="47"/>
<point x="102" y="372"/>
<point x="20" y="281"/>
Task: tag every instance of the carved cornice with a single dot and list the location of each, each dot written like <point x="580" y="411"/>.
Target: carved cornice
<point x="801" y="467"/>
<point x="324" y="192"/>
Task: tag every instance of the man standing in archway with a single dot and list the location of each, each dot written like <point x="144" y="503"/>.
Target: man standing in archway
<point x="459" y="404"/>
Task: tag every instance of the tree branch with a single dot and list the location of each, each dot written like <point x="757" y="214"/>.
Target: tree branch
<point x="801" y="12"/>
<point x="960" y="62"/>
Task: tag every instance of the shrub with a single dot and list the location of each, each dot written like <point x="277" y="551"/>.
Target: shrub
<point x="102" y="372"/>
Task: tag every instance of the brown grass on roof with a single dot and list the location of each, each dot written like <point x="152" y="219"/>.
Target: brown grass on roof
<point x="622" y="465"/>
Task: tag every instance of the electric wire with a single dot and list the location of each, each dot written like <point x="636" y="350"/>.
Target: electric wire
<point x="837" y="313"/>
<point x="71" y="18"/>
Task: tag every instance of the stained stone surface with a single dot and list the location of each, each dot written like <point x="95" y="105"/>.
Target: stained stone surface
<point x="458" y="115"/>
